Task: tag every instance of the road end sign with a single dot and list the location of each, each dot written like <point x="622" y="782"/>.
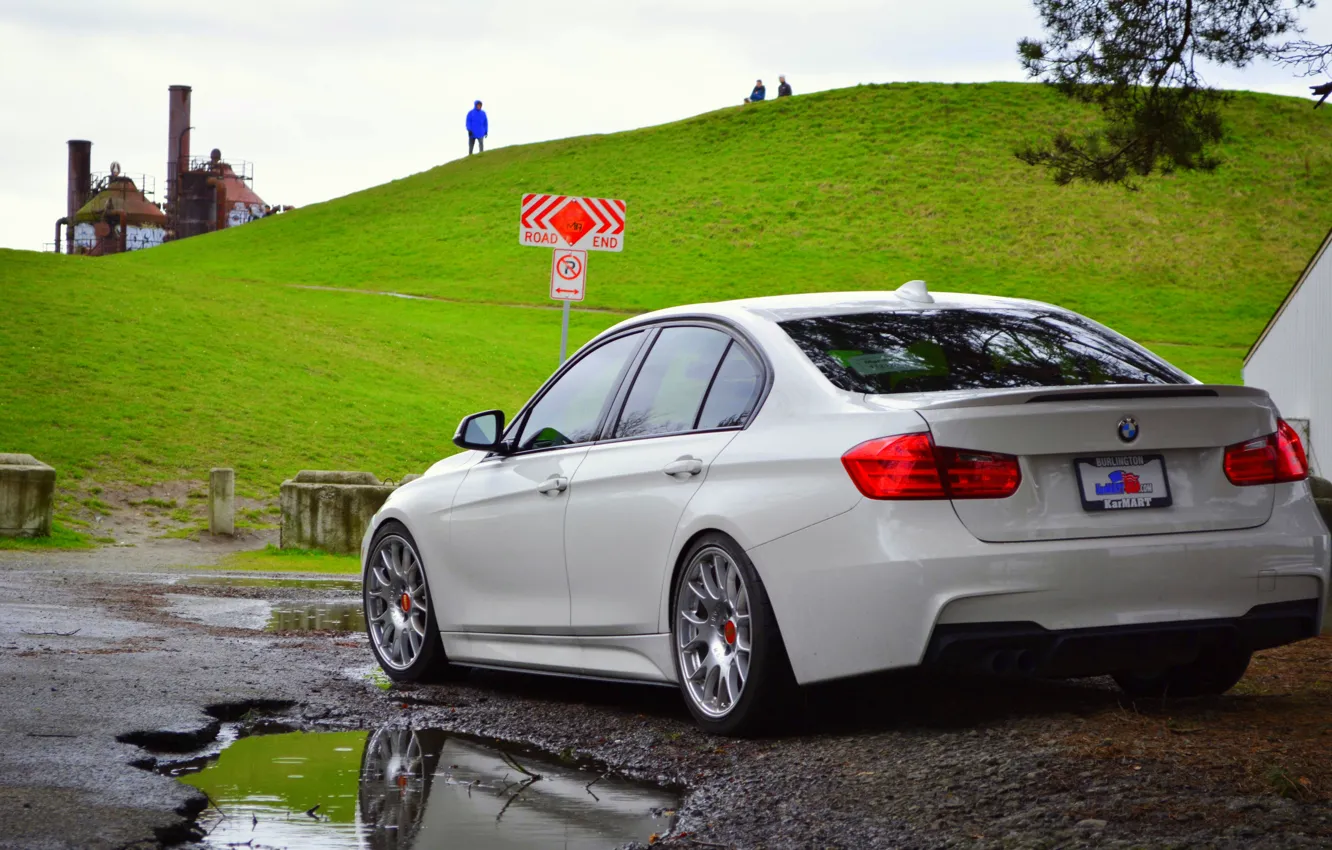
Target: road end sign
<point x="568" y="275"/>
<point x="568" y="221"/>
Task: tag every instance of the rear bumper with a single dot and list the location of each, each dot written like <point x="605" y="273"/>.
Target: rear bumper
<point x="1029" y="649"/>
<point x="869" y="589"/>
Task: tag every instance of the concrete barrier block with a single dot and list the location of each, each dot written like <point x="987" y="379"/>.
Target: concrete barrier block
<point x="222" y="501"/>
<point x="1320" y="487"/>
<point x="329" y="510"/>
<point x="27" y="496"/>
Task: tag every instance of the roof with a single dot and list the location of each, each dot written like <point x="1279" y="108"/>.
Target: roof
<point x="236" y="189"/>
<point x="1290" y="296"/>
<point x="779" y="308"/>
<point x="121" y="195"/>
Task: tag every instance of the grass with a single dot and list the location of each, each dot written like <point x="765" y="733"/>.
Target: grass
<point x="95" y="504"/>
<point x="273" y="559"/>
<point x="143" y="378"/>
<point x="188" y="532"/>
<point x="858" y="188"/>
<point x="61" y="538"/>
<point x="161" y="364"/>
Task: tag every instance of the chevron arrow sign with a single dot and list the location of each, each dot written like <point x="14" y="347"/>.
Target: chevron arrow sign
<point x="568" y="221"/>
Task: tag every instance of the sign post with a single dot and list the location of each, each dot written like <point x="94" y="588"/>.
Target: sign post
<point x="568" y="282"/>
<point x="572" y="226"/>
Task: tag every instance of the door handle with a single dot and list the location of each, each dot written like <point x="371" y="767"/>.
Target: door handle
<point x="552" y="485"/>
<point x="684" y="467"/>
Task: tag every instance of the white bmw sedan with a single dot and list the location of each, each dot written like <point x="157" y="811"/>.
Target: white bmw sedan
<point x="744" y="497"/>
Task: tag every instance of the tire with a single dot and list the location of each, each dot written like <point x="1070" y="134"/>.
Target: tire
<point x="1215" y="671"/>
<point x="711" y="632"/>
<point x="418" y="656"/>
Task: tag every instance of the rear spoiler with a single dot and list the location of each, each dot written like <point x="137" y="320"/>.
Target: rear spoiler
<point x="1037" y="395"/>
<point x="1094" y="395"/>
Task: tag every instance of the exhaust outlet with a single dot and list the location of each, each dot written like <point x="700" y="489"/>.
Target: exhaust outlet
<point x="1026" y="662"/>
<point x="999" y="662"/>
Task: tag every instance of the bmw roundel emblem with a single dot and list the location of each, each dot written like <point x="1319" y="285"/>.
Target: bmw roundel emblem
<point x="1128" y="429"/>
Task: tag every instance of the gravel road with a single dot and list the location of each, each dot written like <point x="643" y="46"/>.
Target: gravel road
<point x="897" y="761"/>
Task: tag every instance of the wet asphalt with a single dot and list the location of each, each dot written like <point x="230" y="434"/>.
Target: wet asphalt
<point x="112" y="661"/>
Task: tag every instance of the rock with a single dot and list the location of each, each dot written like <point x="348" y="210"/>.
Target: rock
<point x="27" y="496"/>
<point x="1090" y="823"/>
<point x="329" y="510"/>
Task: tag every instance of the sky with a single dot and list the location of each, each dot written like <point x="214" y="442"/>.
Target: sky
<point x="326" y="97"/>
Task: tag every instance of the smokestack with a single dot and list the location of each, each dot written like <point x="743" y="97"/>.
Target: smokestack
<point x="80" y="186"/>
<point x="178" y="147"/>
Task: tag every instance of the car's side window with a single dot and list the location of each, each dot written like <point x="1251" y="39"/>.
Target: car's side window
<point x="734" y="391"/>
<point x="672" y="382"/>
<point x="571" y="409"/>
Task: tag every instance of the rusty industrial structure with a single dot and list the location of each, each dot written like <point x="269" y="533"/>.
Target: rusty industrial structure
<point x="106" y="214"/>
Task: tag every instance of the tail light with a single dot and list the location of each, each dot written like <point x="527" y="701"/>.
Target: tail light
<point x="1273" y="459"/>
<point x="913" y="467"/>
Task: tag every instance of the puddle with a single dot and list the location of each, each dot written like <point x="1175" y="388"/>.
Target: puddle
<point x="317" y="617"/>
<point x="224" y="612"/>
<point x="237" y="581"/>
<point x="280" y="616"/>
<point x="404" y="789"/>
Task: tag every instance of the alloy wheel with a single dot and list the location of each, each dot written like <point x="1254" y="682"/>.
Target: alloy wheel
<point x="396" y="602"/>
<point x="713" y="631"/>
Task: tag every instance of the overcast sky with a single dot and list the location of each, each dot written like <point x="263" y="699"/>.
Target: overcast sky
<point x="329" y="96"/>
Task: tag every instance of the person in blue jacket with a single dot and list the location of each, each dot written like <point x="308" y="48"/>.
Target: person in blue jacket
<point x="758" y="94"/>
<point x="478" y="127"/>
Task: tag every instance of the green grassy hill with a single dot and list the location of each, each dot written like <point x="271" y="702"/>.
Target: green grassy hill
<point x="858" y="188"/>
<point x="157" y="365"/>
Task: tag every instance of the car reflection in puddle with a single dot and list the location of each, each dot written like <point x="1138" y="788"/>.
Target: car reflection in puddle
<point x="317" y="617"/>
<point x="403" y="788"/>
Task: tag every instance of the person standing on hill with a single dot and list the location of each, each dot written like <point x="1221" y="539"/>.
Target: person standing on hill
<point x="758" y="94"/>
<point x="478" y="127"/>
<point x="784" y="89"/>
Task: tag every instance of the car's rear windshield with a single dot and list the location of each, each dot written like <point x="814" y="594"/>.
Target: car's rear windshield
<point x="912" y="351"/>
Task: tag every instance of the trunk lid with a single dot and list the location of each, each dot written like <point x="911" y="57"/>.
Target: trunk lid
<point x="1182" y="429"/>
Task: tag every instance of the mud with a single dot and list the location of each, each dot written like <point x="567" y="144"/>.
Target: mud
<point x="132" y="515"/>
<point x="103" y="669"/>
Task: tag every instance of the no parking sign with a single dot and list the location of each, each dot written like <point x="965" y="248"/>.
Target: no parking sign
<point x="568" y="275"/>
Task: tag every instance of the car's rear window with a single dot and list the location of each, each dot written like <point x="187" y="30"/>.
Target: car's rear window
<point x="913" y="351"/>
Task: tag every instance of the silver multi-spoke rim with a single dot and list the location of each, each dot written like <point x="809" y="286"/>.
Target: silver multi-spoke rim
<point x="396" y="602"/>
<point x="713" y="631"/>
<point x="393" y="787"/>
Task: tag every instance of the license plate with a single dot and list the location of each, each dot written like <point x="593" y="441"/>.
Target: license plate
<point x="1123" y="482"/>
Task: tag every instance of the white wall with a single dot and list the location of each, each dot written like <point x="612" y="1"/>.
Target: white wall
<point x="1294" y="361"/>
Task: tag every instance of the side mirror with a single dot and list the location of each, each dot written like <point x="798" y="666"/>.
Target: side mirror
<point x="481" y="431"/>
